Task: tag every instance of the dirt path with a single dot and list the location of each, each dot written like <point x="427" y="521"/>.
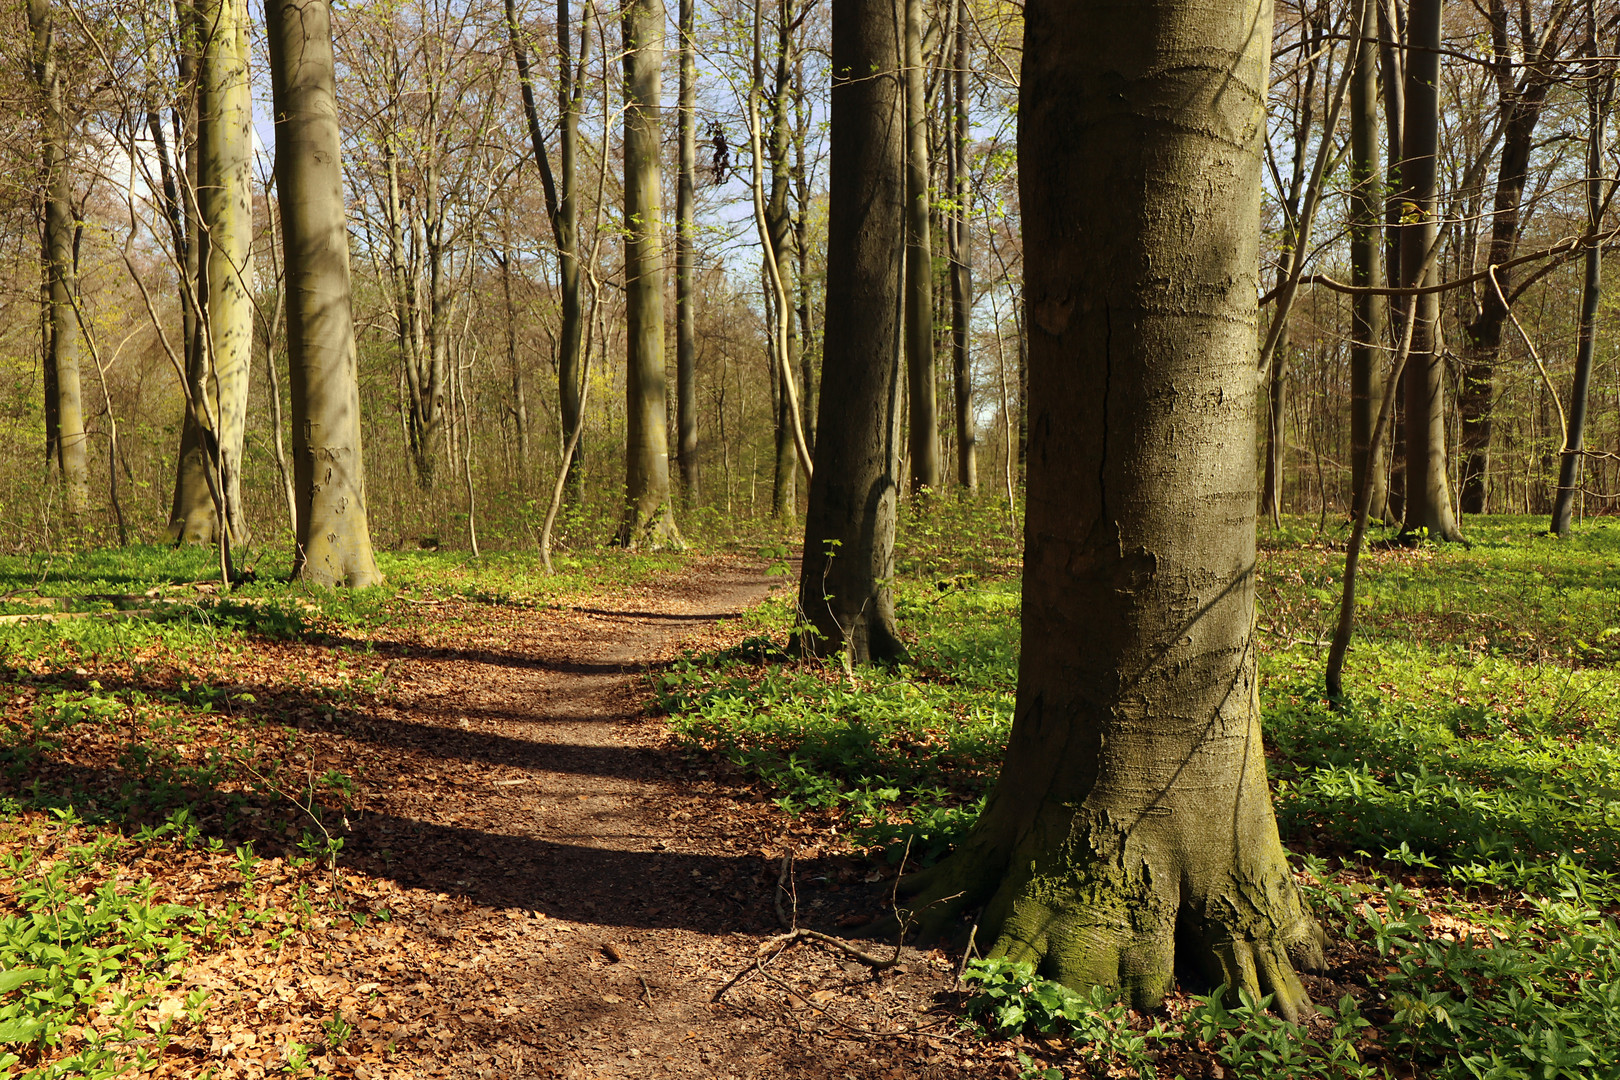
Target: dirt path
<point x="575" y="888"/>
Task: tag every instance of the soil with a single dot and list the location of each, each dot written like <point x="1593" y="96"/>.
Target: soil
<point x="572" y="888"/>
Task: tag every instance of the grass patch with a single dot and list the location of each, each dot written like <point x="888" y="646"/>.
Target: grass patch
<point x="1458" y="826"/>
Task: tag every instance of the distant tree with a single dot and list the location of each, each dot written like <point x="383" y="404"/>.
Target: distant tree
<point x="65" y="436"/>
<point x="1132" y="819"/>
<point x="844" y="590"/>
<point x="334" y="538"/>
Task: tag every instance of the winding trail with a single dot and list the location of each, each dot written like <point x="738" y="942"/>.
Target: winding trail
<point x="581" y="886"/>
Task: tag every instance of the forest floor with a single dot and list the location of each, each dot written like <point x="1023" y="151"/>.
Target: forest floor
<point x="475" y="854"/>
<point x="486" y="822"/>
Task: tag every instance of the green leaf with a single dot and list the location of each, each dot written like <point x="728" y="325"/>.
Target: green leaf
<point x="10" y="980"/>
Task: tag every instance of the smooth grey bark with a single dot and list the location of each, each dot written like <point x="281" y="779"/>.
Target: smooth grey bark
<point x="921" y="385"/>
<point x="779" y="225"/>
<point x="967" y="439"/>
<point x="209" y="474"/>
<point x="515" y="368"/>
<point x="1599" y="94"/>
<point x="63" y="338"/>
<point x="801" y="245"/>
<point x="1368" y="312"/>
<point x="844" y="593"/>
<point x="333" y="539"/>
<point x="1132" y="825"/>
<point x="562" y="207"/>
<point x="649" y="519"/>
<point x="1428" y="504"/>
<point x="686" y="405"/>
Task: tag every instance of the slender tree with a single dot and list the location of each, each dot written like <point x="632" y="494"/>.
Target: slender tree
<point x="1521" y="96"/>
<point x="922" y="395"/>
<point x="783" y="238"/>
<point x="1132" y="820"/>
<point x="967" y="460"/>
<point x="686" y="405"/>
<point x="844" y="591"/>
<point x="333" y="539"/>
<point x="562" y="207"/>
<point x="1428" y="489"/>
<point x="1366" y="264"/>
<point x="649" y="520"/>
<point x="67" y="442"/>
<point x="1599" y="95"/>
<point x="209" y="471"/>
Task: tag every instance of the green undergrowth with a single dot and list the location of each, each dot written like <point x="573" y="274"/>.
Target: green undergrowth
<point x="145" y="739"/>
<point x="1458" y="821"/>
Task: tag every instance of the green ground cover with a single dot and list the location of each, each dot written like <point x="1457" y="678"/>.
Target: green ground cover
<point x="138" y="651"/>
<point x="1457" y="824"/>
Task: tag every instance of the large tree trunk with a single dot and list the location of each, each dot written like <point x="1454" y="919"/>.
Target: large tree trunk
<point x="61" y="275"/>
<point x="333" y="540"/>
<point x="1428" y="489"/>
<point x="922" y="397"/>
<point x="1132" y="821"/>
<point x="210" y="469"/>
<point x="967" y="439"/>
<point x="1367" y="317"/>
<point x="686" y="404"/>
<point x="649" y="520"/>
<point x="849" y="526"/>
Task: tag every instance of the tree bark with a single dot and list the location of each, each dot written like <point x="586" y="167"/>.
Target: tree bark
<point x="779" y="226"/>
<point x="686" y="405"/>
<point x="209" y="475"/>
<point x="844" y="591"/>
<point x="1368" y="312"/>
<point x="1132" y="820"/>
<point x="967" y="439"/>
<point x="334" y="540"/>
<point x="922" y="403"/>
<point x="1599" y="93"/>
<point x="562" y="207"/>
<point x="649" y="519"/>
<point x="61" y="275"/>
<point x="1521" y="100"/>
<point x="1428" y="488"/>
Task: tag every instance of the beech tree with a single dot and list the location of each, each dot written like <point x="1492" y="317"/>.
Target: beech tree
<point x="209" y="471"/>
<point x="922" y="396"/>
<point x="333" y="537"/>
<point x="64" y="410"/>
<point x="648" y="517"/>
<point x="1132" y="820"/>
<point x="844" y="592"/>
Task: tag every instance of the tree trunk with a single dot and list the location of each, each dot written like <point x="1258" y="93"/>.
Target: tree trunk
<point x="779" y="225"/>
<point x="61" y="274"/>
<point x="1367" y="317"/>
<point x="844" y="588"/>
<point x="686" y="405"/>
<point x="801" y="247"/>
<point x="1598" y="96"/>
<point x="922" y="400"/>
<point x="520" y="393"/>
<point x="1521" y="101"/>
<point x="334" y="540"/>
<point x="1428" y="488"/>
<point x="967" y="439"/>
<point x="1132" y="821"/>
<point x="649" y="520"/>
<point x="562" y="206"/>
<point x="210" y="468"/>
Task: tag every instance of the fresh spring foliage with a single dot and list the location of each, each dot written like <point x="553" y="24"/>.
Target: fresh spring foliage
<point x="1460" y="819"/>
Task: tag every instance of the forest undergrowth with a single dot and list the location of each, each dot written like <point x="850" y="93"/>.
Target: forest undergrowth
<point x="172" y="786"/>
<point x="1456" y="823"/>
